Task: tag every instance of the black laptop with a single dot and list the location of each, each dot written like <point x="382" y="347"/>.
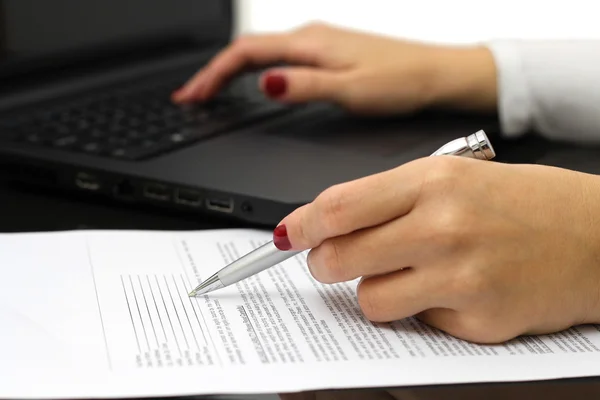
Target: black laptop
<point x="85" y="106"/>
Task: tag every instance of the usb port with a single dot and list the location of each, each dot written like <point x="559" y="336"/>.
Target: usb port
<point x="221" y="205"/>
<point x="188" y="197"/>
<point x="87" y="182"/>
<point x="156" y="191"/>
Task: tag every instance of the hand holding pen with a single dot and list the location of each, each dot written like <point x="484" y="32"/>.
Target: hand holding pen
<point x="485" y="251"/>
<point x="476" y="146"/>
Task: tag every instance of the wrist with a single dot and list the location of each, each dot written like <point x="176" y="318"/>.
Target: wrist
<point x="463" y="78"/>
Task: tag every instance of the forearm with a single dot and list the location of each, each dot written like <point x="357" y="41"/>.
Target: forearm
<point x="550" y="87"/>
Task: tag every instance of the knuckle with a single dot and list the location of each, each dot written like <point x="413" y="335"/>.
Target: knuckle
<point x="444" y="174"/>
<point x="311" y="43"/>
<point x="315" y="88"/>
<point x="453" y="223"/>
<point x="370" y="302"/>
<point x="301" y="226"/>
<point x="241" y="43"/>
<point x="454" y="226"/>
<point x="310" y="84"/>
<point x="327" y="261"/>
<point x="309" y="48"/>
<point x="332" y="206"/>
<point x="471" y="283"/>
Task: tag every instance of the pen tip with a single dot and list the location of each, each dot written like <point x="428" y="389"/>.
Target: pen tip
<point x="212" y="283"/>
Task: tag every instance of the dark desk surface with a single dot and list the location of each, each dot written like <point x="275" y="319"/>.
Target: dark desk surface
<point x="29" y="209"/>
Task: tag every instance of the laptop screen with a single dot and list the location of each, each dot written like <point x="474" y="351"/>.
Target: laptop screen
<point x="38" y="33"/>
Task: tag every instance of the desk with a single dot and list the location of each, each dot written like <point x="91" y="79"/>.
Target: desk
<point x="28" y="209"/>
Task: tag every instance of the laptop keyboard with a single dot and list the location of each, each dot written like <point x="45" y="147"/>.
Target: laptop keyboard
<point x="138" y="121"/>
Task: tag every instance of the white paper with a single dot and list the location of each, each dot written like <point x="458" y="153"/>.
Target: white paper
<point x="106" y="314"/>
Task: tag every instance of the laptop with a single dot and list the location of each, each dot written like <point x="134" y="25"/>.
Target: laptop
<point x="85" y="107"/>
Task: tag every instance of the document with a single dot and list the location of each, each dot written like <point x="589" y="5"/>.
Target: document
<point x="106" y="314"/>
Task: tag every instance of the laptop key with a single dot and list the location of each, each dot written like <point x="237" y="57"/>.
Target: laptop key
<point x="34" y="138"/>
<point x="98" y="133"/>
<point x="118" y="152"/>
<point x="118" y="141"/>
<point x="92" y="147"/>
<point x="65" y="141"/>
<point x="134" y="134"/>
<point x="132" y="153"/>
<point x="177" y="137"/>
<point x="126" y="153"/>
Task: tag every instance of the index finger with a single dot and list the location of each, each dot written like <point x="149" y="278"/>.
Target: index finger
<point x="245" y="52"/>
<point x="355" y="205"/>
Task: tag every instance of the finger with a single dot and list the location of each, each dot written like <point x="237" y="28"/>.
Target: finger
<point x="444" y="319"/>
<point x="354" y="205"/>
<point x="472" y="327"/>
<point x="373" y="251"/>
<point x="399" y="294"/>
<point x="302" y="84"/>
<point x="245" y="52"/>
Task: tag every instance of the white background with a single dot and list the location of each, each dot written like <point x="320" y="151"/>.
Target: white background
<point x="444" y="21"/>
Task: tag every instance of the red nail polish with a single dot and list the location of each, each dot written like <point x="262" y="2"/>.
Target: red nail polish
<point x="275" y="85"/>
<point x="280" y="238"/>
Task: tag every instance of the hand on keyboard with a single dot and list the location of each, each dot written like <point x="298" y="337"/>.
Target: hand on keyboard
<point x="134" y="122"/>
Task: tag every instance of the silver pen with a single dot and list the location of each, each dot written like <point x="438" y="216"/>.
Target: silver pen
<point x="476" y="145"/>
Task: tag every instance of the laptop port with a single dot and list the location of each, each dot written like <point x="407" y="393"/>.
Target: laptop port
<point x="87" y="181"/>
<point x="188" y="197"/>
<point x="156" y="191"/>
<point x="221" y="205"/>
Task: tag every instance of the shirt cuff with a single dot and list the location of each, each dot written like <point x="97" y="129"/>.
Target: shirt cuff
<point x="514" y="94"/>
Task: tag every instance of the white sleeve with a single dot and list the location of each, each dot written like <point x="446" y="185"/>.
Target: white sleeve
<point x="551" y="87"/>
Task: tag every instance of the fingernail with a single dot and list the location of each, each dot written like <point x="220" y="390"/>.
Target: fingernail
<point x="275" y="85"/>
<point x="280" y="238"/>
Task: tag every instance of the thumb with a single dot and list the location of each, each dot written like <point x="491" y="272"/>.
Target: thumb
<point x="292" y="225"/>
<point x="351" y="206"/>
<point x="301" y="84"/>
